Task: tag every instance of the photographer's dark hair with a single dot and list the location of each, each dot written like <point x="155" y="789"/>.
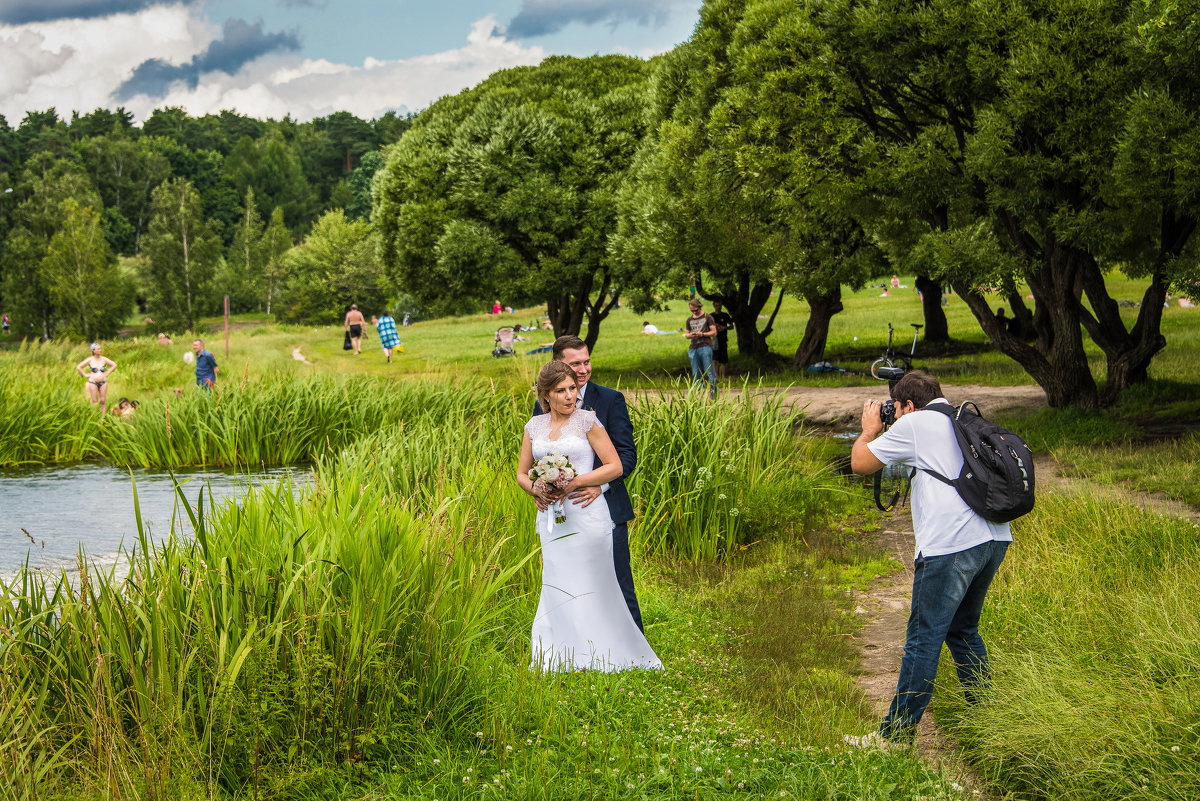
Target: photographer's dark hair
<point x="567" y="342"/>
<point x="918" y="387"/>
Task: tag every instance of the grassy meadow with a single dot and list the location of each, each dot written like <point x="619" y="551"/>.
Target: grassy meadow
<point x="367" y="637"/>
<point x="1096" y="690"/>
<point x="462" y="346"/>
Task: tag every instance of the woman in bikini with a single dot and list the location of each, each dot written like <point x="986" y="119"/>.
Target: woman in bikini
<point x="96" y="369"/>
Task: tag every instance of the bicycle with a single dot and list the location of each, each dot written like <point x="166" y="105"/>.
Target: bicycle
<point x="885" y="368"/>
<point x="891" y="367"/>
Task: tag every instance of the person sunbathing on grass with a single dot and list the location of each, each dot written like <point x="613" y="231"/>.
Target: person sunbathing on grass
<point x="125" y="408"/>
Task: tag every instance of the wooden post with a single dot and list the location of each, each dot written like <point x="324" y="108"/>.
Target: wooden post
<point x="227" y="328"/>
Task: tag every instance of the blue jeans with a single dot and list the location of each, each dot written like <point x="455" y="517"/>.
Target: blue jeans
<point x="947" y="598"/>
<point x="701" y="360"/>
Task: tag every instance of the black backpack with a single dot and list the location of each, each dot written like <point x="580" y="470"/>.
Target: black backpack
<point x="996" y="479"/>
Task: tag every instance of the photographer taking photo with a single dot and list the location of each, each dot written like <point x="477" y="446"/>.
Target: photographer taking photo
<point x="957" y="551"/>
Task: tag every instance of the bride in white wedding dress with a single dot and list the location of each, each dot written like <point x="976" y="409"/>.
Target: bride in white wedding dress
<point x="582" y="620"/>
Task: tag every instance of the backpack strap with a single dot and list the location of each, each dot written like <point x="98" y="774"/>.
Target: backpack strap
<point x="952" y="413"/>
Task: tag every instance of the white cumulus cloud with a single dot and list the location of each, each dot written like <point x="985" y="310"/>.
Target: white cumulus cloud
<point x="75" y="64"/>
<point x="79" y="65"/>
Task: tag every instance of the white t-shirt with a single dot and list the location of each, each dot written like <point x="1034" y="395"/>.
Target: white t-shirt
<point x="943" y="522"/>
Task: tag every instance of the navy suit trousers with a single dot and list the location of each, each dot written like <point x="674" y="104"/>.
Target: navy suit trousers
<point x="624" y="571"/>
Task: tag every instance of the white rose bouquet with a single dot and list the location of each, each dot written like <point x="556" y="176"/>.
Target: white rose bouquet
<point x="552" y="472"/>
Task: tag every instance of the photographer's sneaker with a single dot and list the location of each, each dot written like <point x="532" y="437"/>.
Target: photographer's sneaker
<point x="872" y="740"/>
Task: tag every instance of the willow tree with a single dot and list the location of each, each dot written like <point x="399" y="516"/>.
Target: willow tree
<point x="1037" y="143"/>
<point x="742" y="180"/>
<point x="687" y="215"/>
<point x="508" y="190"/>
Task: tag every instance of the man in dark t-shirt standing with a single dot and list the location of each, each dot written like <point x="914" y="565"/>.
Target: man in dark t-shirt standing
<point x="700" y="329"/>
<point x="721" y="349"/>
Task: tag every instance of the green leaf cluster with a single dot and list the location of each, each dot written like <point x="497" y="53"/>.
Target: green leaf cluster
<point x="507" y="190"/>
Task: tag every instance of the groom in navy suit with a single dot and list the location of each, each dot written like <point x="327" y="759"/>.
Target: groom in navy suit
<point x="613" y="414"/>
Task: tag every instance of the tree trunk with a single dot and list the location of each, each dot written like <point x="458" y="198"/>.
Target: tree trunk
<point x="936" y="327"/>
<point x="569" y="311"/>
<point x="597" y="311"/>
<point x="816" y="332"/>
<point x="1061" y="369"/>
<point x="187" y="273"/>
<point x="743" y="303"/>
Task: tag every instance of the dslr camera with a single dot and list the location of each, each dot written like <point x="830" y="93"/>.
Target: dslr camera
<point x="887" y="412"/>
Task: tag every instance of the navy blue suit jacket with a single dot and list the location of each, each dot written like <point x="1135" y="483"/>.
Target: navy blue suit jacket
<point x="613" y="413"/>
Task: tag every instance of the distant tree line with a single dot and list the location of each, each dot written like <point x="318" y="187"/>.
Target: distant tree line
<point x="178" y="212"/>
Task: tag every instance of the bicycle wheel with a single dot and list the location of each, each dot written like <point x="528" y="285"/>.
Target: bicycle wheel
<point x="876" y="365"/>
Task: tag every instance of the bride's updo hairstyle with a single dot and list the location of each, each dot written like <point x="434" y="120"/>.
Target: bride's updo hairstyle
<point x="549" y="377"/>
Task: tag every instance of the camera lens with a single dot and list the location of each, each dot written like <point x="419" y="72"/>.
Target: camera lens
<point x="887" y="412"/>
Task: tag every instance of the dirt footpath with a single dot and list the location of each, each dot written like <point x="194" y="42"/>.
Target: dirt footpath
<point x="840" y="408"/>
<point x="883" y="612"/>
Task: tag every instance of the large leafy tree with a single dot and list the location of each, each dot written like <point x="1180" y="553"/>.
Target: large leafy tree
<point x="273" y="247"/>
<point x="748" y="180"/>
<point x="333" y="267"/>
<point x="508" y="190"/>
<point x="348" y="137"/>
<point x="1042" y="143"/>
<point x="101" y="122"/>
<point x="796" y="154"/>
<point x="90" y="296"/>
<point x="46" y="183"/>
<point x="272" y="166"/>
<point x="124" y="171"/>
<point x="684" y="214"/>
<point x="241" y="277"/>
<point x="182" y="252"/>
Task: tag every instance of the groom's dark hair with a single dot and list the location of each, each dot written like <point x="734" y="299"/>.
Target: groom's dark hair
<point x="567" y="342"/>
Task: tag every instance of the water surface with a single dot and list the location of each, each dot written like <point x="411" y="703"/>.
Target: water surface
<point x="48" y="513"/>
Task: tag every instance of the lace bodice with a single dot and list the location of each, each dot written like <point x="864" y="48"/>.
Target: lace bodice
<point x="572" y="441"/>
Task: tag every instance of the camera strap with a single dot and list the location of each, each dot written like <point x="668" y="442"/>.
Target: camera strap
<point x="896" y="496"/>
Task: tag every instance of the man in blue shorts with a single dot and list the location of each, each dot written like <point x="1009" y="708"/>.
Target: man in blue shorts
<point x="206" y="365"/>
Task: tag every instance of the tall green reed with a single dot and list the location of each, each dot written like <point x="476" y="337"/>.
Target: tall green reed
<point x="292" y="631"/>
<point x="275" y="420"/>
<point x="1094" y="631"/>
<point x="326" y="628"/>
<point x="702" y="465"/>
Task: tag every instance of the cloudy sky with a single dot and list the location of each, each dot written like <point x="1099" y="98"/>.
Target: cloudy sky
<point x="307" y="58"/>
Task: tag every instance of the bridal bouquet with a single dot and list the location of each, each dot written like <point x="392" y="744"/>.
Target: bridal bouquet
<point x="552" y="472"/>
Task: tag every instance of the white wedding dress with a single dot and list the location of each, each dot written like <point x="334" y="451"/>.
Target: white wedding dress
<point x="582" y="621"/>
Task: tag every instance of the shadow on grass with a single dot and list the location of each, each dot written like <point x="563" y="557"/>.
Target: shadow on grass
<point x="788" y="605"/>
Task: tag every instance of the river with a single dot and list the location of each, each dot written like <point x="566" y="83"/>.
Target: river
<point x="48" y="513"/>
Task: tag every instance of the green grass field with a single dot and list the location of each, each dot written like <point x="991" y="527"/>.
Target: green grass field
<point x="462" y="346"/>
